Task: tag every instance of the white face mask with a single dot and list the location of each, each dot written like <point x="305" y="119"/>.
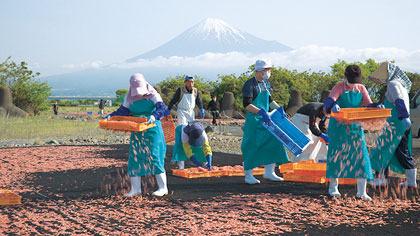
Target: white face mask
<point x="266" y="75"/>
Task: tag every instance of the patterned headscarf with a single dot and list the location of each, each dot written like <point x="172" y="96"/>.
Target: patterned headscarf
<point x="395" y="73"/>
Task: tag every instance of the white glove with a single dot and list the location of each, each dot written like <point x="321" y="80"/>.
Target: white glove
<point x="151" y="119"/>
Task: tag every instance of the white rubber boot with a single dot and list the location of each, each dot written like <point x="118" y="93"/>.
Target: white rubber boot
<point x="378" y="182"/>
<point x="361" y="190"/>
<point x="249" y="177"/>
<point x="135" y="187"/>
<point x="333" y="189"/>
<point x="162" y="188"/>
<point x="270" y="174"/>
<point x="411" y="175"/>
<point x="180" y="165"/>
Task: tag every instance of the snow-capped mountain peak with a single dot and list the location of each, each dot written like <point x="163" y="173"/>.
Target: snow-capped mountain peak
<point x="214" y="36"/>
<point x="211" y="27"/>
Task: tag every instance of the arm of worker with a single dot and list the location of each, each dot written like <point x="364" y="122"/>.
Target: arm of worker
<point x="198" y="100"/>
<point x="160" y="110"/>
<point x="206" y="145"/>
<point x="121" y="111"/>
<point x="322" y="126"/>
<point x="366" y="98"/>
<point x="174" y="99"/>
<point x="313" y="126"/>
<point x="399" y="96"/>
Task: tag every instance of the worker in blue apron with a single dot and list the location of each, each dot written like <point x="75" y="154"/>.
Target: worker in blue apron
<point x="348" y="155"/>
<point x="259" y="147"/>
<point x="393" y="148"/>
<point x="191" y="143"/>
<point x="147" y="148"/>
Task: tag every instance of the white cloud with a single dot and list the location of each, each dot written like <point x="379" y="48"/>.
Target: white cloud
<point x="309" y="57"/>
<point x="94" y="64"/>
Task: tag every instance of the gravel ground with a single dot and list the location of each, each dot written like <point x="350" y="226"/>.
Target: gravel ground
<point x="76" y="190"/>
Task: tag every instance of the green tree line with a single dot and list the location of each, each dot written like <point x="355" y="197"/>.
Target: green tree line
<point x="309" y="83"/>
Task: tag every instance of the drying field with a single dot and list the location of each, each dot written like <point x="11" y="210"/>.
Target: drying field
<point x="77" y="190"/>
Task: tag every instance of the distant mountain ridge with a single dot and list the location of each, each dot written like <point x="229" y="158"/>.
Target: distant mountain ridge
<point x="212" y="35"/>
<point x="208" y="36"/>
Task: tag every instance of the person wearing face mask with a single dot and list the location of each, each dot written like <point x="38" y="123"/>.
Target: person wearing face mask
<point x="259" y="147"/>
<point x="348" y="155"/>
<point x="214" y="109"/>
<point x="147" y="148"/>
<point x="393" y="148"/>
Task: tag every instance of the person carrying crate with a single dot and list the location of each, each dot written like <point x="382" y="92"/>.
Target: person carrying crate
<point x="191" y="143"/>
<point x="393" y="148"/>
<point x="348" y="155"/>
<point x="259" y="147"/>
<point x="147" y="148"/>
<point x="310" y="119"/>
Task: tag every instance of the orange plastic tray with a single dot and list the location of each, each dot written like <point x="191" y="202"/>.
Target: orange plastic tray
<point x="186" y="173"/>
<point x="9" y="198"/>
<point x="304" y="178"/>
<point x="360" y="113"/>
<point x="168" y="127"/>
<point x="305" y="171"/>
<point x="126" y="123"/>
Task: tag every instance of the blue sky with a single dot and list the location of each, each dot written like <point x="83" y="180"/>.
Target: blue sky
<point x="58" y="36"/>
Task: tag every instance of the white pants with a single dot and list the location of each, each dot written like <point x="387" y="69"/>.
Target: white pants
<point x="184" y="116"/>
<point x="315" y="151"/>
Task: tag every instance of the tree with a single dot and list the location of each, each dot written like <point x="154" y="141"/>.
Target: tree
<point x="29" y="93"/>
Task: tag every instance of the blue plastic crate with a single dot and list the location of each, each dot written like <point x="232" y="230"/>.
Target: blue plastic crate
<point x="287" y="133"/>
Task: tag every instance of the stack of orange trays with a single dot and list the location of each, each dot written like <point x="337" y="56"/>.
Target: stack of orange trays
<point x="126" y="124"/>
<point x="197" y="172"/>
<point x="168" y="127"/>
<point x="9" y="198"/>
<point x="309" y="172"/>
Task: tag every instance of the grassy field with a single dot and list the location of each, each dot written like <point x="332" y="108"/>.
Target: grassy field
<point x="48" y="126"/>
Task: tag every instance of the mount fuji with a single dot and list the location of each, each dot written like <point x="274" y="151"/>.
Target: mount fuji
<point x="216" y="36"/>
<point x="210" y="42"/>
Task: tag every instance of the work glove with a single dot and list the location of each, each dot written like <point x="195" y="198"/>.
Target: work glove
<point x="324" y="136"/>
<point x="167" y="112"/>
<point x="381" y="106"/>
<point x="406" y="123"/>
<point x="335" y="108"/>
<point x="202" y="113"/>
<point x="151" y="119"/>
<point x="194" y="160"/>
<point x="376" y="105"/>
<point x="265" y="116"/>
<point x="209" y="160"/>
<point x="281" y="110"/>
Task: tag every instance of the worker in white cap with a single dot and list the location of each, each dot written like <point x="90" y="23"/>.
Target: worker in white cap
<point x="394" y="147"/>
<point x="259" y="147"/>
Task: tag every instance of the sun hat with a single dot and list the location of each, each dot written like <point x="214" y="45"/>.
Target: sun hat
<point x="262" y="64"/>
<point x="194" y="129"/>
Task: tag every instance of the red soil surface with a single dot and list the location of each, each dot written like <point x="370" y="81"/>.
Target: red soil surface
<point x="76" y="190"/>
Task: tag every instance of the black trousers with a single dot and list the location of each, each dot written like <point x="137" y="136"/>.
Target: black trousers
<point x="215" y="115"/>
